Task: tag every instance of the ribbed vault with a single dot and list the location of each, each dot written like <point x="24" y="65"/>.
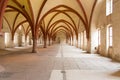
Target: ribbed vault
<point x="47" y="18"/>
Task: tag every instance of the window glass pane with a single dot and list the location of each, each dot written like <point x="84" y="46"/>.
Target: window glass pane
<point x="110" y="36"/>
<point x="99" y="36"/>
<point x="109" y="7"/>
<point x="110" y="41"/>
<point x="110" y="29"/>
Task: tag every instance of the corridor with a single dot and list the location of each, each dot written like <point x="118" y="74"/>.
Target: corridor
<point x="57" y="62"/>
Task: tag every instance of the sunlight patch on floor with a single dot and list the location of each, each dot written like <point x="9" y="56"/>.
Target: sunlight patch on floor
<point x="56" y="75"/>
<point x="83" y="75"/>
<point x="2" y="69"/>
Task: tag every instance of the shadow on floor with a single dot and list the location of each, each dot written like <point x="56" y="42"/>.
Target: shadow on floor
<point x="116" y="74"/>
<point x="14" y="51"/>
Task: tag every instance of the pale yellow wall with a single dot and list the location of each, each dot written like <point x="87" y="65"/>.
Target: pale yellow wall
<point x="116" y="29"/>
<point x="2" y="45"/>
<point x="102" y="22"/>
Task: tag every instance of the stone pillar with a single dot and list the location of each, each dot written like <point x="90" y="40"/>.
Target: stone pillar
<point x="81" y="40"/>
<point x="16" y="40"/>
<point x="49" y="41"/>
<point x="45" y="41"/>
<point x="34" y="45"/>
<point x="30" y="42"/>
<point x="77" y="43"/>
<point x="26" y="40"/>
<point x="20" y="39"/>
<point x="88" y="46"/>
<point x="2" y="41"/>
<point x="30" y="39"/>
<point x="72" y="41"/>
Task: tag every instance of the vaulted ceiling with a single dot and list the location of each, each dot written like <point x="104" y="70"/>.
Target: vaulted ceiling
<point x="50" y="16"/>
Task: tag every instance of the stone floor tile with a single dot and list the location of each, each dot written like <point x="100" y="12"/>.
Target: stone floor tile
<point x="57" y="62"/>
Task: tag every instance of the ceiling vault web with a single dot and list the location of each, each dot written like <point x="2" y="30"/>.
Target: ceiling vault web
<point x="48" y="17"/>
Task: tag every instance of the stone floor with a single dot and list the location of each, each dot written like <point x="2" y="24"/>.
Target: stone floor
<point x="57" y="62"/>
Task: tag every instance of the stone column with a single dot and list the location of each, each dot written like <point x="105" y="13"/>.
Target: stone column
<point x="2" y="41"/>
<point x="20" y="39"/>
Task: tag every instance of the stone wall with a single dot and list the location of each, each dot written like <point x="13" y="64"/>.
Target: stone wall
<point x="2" y="45"/>
<point x="114" y="51"/>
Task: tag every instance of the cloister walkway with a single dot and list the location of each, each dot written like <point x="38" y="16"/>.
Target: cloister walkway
<point x="57" y="62"/>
